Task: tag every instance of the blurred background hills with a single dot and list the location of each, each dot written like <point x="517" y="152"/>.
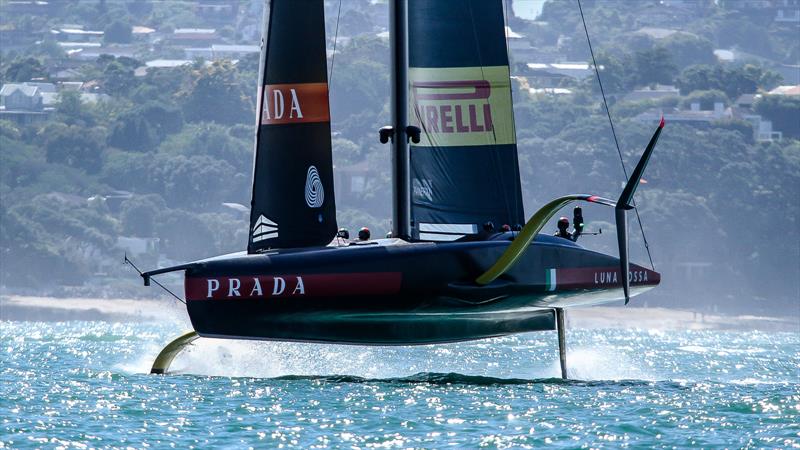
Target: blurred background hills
<point x="126" y="126"/>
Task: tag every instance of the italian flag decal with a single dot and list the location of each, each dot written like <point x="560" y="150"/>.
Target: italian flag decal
<point x="550" y="279"/>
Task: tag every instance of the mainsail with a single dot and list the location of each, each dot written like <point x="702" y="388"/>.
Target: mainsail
<point x="293" y="202"/>
<point x="464" y="171"/>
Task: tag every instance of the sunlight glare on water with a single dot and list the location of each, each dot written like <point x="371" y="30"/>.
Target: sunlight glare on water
<point x="86" y="383"/>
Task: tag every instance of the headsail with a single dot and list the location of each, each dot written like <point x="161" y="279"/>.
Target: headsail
<point x="293" y="203"/>
<point x="464" y="171"/>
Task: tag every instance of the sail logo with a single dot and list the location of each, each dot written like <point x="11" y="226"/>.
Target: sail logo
<point x="315" y="193"/>
<point x="423" y="189"/>
<point x="294" y="103"/>
<point x="461" y="106"/>
<point x="264" y="229"/>
<point x="439" y="113"/>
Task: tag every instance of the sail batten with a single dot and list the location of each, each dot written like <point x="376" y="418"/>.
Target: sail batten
<point x="464" y="170"/>
<point x="293" y="202"/>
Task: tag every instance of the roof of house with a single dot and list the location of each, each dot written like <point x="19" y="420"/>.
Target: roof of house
<point x="657" y="33"/>
<point x="167" y="63"/>
<point x="10" y="88"/>
<point x="223" y="48"/>
<point x="180" y="31"/>
<point x="138" y="29"/>
<point x="43" y="87"/>
<point x="77" y="32"/>
<point x="786" y="90"/>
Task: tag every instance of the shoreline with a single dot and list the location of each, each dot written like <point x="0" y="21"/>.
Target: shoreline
<point x="50" y="309"/>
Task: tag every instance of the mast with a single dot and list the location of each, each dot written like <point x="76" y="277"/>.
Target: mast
<point x="401" y="194"/>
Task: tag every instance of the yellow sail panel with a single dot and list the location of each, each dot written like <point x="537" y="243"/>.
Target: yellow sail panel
<point x="461" y="106"/>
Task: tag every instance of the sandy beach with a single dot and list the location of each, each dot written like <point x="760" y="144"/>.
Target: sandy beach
<point x="48" y="309"/>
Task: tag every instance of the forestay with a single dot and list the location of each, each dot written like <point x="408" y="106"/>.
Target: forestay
<point x="293" y="201"/>
<point x="464" y="171"/>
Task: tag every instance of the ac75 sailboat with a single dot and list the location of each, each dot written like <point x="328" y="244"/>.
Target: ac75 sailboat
<point x="462" y="262"/>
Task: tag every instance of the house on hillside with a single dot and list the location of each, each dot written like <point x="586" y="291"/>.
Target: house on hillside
<point x="194" y="37"/>
<point x="220" y="51"/>
<point x="217" y="11"/>
<point x="67" y="74"/>
<point x="32" y="7"/>
<point x="788" y="11"/>
<point x="657" y="92"/>
<point x="76" y="34"/>
<point x="137" y="246"/>
<point x="142" y="33"/>
<point x="351" y="181"/>
<point x="786" y="90"/>
<point x="157" y="64"/>
<point x="762" y="128"/>
<point x="22" y="103"/>
<point x="555" y="74"/>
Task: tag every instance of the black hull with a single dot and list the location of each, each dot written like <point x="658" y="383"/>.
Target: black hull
<point x="395" y="293"/>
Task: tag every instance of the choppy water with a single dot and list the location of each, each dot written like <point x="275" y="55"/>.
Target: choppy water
<point x="84" y="384"/>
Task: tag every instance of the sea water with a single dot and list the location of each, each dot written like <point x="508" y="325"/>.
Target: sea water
<point x="85" y="385"/>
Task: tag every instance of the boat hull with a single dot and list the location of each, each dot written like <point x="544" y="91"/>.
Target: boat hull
<point x="396" y="293"/>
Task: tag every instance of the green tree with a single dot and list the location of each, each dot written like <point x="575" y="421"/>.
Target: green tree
<point x="118" y="32"/>
<point x="212" y="140"/>
<point x="615" y="73"/>
<point x="687" y="49"/>
<point x="163" y="119"/>
<point x="74" y="146"/>
<point x="71" y="110"/>
<point x="143" y="128"/>
<point x="138" y="214"/>
<point x="184" y="236"/>
<point x="132" y="132"/>
<point x="216" y="95"/>
<point x="654" y="66"/>
<point x="734" y="81"/>
<point x="49" y="50"/>
<point x="118" y="79"/>
<point x="194" y="181"/>
<point x="25" y="70"/>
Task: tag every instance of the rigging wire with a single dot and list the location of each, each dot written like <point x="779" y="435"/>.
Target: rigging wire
<point x="335" y="39"/>
<point x="614" y="132"/>
<point x="129" y="262"/>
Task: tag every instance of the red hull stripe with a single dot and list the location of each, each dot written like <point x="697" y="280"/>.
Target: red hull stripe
<point x="603" y="277"/>
<point x="292" y="285"/>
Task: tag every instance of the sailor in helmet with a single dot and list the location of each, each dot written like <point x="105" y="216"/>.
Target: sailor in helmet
<point x="563" y="226"/>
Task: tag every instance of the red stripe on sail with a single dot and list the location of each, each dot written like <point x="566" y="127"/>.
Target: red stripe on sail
<point x="451" y="90"/>
<point x="295" y="103"/>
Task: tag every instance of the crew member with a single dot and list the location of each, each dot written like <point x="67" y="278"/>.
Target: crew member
<point x="577" y="222"/>
<point x="363" y="234"/>
<point x="563" y="229"/>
